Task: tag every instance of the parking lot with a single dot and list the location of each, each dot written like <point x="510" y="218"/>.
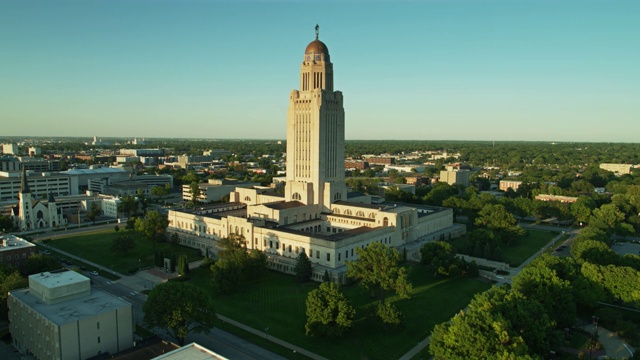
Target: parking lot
<point x="626" y="248"/>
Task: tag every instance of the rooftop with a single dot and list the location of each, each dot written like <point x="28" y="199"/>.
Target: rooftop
<point x="9" y="242"/>
<point x="57" y="278"/>
<point x="192" y="351"/>
<point x="96" y="303"/>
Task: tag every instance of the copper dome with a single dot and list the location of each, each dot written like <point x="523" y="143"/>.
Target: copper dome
<point x="317" y="47"/>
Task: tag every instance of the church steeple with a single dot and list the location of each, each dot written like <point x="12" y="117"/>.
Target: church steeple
<point x="24" y="184"/>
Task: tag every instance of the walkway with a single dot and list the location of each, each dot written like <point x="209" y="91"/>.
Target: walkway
<point x="613" y="345"/>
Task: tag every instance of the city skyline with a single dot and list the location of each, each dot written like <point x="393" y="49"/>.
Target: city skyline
<point x="463" y="70"/>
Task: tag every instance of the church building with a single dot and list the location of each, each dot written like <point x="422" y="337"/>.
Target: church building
<point x="31" y="214"/>
<point x="317" y="214"/>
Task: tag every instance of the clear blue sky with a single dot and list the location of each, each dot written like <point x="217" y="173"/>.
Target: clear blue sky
<point x="470" y="70"/>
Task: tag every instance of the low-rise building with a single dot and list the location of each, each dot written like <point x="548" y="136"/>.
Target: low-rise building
<point x="562" y="199"/>
<point x="60" y="317"/>
<point x="214" y="189"/>
<point x="509" y="184"/>
<point x="455" y="176"/>
<point x="15" y="251"/>
<point x="618" y="169"/>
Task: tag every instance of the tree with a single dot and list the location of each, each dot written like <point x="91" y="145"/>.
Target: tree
<point x="195" y="192"/>
<point x="438" y="255"/>
<point x="94" y="211"/>
<point x="235" y="264"/>
<point x="39" y="263"/>
<point x="128" y="205"/>
<point x="377" y="270"/>
<point x="183" y="265"/>
<point x="122" y="244"/>
<point x="180" y="308"/>
<point x="329" y="313"/>
<point x="153" y="226"/>
<point x="303" y="267"/>
<point x="9" y="280"/>
<point x="542" y="284"/>
<point x="5" y="223"/>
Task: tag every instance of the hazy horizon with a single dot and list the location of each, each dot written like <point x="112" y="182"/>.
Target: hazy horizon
<point x="484" y="70"/>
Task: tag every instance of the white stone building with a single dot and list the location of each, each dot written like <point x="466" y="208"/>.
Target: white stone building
<point x="316" y="215"/>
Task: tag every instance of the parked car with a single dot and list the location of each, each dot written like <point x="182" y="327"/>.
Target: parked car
<point x="94" y="273"/>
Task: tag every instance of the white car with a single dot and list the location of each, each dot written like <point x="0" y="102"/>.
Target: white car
<point x="94" y="273"/>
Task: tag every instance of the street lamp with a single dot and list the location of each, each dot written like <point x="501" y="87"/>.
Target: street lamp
<point x="594" y="320"/>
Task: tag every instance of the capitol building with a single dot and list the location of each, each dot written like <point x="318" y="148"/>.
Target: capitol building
<point x="317" y="214"/>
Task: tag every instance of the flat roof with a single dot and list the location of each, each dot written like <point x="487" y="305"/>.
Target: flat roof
<point x="11" y="242"/>
<point x="360" y="205"/>
<point x="93" y="171"/>
<point x="192" y="351"/>
<point x="96" y="303"/>
<point x="56" y="279"/>
<point x="284" y="205"/>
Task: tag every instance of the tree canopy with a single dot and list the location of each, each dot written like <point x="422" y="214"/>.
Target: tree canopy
<point x="329" y="313"/>
<point x="180" y="308"/>
<point x="377" y="269"/>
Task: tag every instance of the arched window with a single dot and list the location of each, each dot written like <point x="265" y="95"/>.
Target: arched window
<point x="385" y="222"/>
<point x="40" y="215"/>
<point x="337" y="196"/>
<point x="336" y="211"/>
<point x="247" y="198"/>
<point x="372" y="215"/>
<point x="360" y="214"/>
<point x="237" y="230"/>
<point x="347" y="212"/>
<point x="296" y="196"/>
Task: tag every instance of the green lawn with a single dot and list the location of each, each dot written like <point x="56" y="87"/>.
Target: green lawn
<point x="524" y="248"/>
<point x="96" y="247"/>
<point x="277" y="302"/>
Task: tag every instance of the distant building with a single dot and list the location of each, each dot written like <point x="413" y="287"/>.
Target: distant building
<point x="380" y="160"/>
<point x="618" y="169"/>
<point x="10" y="149"/>
<point x="35" y="151"/>
<point x="356" y="164"/>
<point x="509" y="184"/>
<point x="454" y="176"/>
<point x="562" y="199"/>
<point x="60" y="317"/>
<point x="217" y="153"/>
<point x="15" y="251"/>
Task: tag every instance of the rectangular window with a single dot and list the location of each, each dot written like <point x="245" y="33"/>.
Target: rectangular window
<point x="339" y="255"/>
<point x="346" y="254"/>
<point x="289" y="248"/>
<point x="98" y="325"/>
<point x="328" y="257"/>
<point x="351" y="252"/>
<point x="98" y="339"/>
<point x="317" y="254"/>
<point x="271" y="244"/>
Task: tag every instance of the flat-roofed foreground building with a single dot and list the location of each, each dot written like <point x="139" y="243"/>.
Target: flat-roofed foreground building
<point x="60" y="317"/>
<point x="192" y="351"/>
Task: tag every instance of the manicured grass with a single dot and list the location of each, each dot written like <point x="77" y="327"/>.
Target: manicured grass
<point x="277" y="303"/>
<point x="96" y="247"/>
<point x="524" y="248"/>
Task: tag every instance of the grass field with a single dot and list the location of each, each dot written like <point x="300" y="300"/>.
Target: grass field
<point x="277" y="303"/>
<point x="96" y="247"/>
<point x="522" y="249"/>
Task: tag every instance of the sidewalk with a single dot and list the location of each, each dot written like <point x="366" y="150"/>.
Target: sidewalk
<point x="614" y="346"/>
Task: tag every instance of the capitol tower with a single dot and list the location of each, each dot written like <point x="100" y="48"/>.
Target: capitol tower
<point x="315" y="133"/>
